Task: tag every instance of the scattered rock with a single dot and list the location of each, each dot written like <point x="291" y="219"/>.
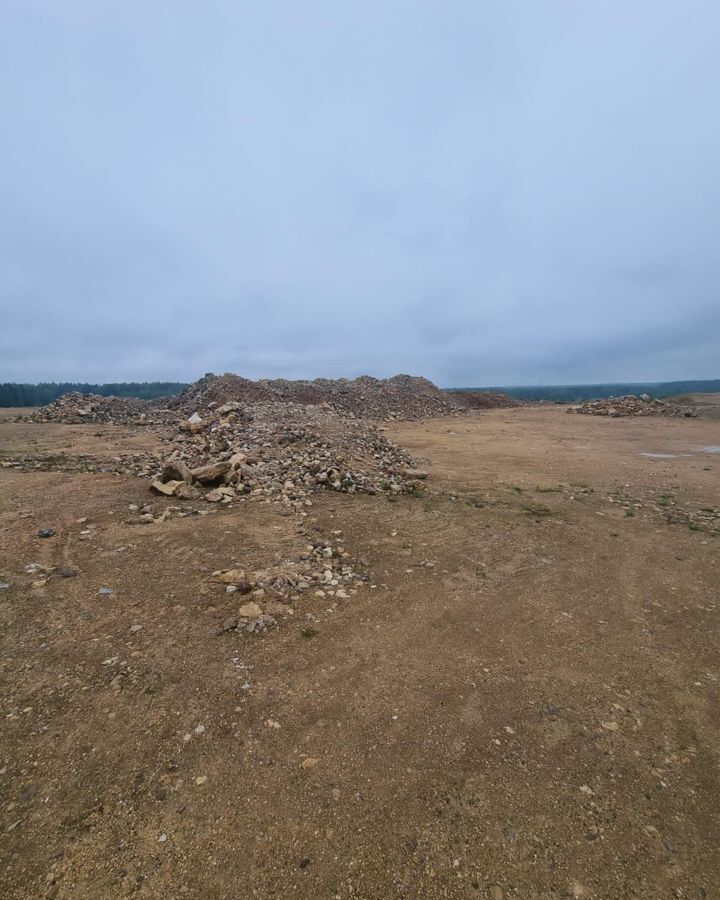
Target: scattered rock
<point x="631" y="405"/>
<point x="46" y="532"/>
<point x="229" y="624"/>
<point x="232" y="576"/>
<point x="250" y="611"/>
<point x="187" y="492"/>
<point x="167" y="488"/>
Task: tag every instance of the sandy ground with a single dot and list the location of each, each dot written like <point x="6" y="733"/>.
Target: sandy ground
<point x="524" y="704"/>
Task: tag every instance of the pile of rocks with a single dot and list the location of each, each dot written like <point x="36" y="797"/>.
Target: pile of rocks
<point x="402" y="397"/>
<point x="282" y="452"/>
<point x="483" y="400"/>
<point x="632" y="405"/>
<point x="324" y="568"/>
<point x="75" y="408"/>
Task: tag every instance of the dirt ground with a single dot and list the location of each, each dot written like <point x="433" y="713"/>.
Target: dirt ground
<point x="521" y="703"/>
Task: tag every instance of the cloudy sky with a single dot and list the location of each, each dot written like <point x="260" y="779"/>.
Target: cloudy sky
<point x="480" y="191"/>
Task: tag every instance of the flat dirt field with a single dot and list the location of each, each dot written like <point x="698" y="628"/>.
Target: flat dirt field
<point x="521" y="703"/>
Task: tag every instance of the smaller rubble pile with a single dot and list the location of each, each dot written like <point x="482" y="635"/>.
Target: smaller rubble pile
<point x="632" y="405"/>
<point x="281" y="452"/>
<point x="75" y="408"/>
<point x="484" y="400"/>
<point x="266" y="594"/>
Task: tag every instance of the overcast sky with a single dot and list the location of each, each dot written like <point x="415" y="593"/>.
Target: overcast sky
<point x="483" y="192"/>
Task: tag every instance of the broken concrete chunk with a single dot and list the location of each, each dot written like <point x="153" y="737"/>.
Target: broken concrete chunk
<point x="176" y="470"/>
<point x="211" y="472"/>
<point x="187" y="492"/>
<point x="235" y="577"/>
<point x="228" y="407"/>
<point x="250" y="611"/>
<point x="167" y="488"/>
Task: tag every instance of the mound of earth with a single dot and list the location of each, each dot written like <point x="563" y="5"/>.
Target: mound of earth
<point x="632" y="405"/>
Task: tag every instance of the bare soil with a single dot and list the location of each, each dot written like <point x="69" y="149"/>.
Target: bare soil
<point x="521" y="703"/>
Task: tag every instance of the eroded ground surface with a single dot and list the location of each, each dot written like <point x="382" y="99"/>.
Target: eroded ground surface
<point x="525" y="705"/>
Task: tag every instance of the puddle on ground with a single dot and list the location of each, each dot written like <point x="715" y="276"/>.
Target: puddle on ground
<point x="659" y="455"/>
<point x="713" y="448"/>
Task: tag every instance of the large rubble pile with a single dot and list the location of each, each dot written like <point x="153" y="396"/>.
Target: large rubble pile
<point x="403" y="396"/>
<point x="400" y="397"/>
<point x="632" y="405"/>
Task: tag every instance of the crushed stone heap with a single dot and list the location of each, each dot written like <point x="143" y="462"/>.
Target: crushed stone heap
<point x="75" y="408"/>
<point x="484" y="400"/>
<point x="282" y="452"/>
<point x="399" y="397"/>
<point x="632" y="405"/>
<point x="403" y="396"/>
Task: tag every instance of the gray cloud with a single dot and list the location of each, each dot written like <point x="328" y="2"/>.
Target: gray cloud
<point x="482" y="193"/>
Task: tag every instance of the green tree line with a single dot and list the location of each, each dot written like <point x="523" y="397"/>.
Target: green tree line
<point x="14" y="394"/>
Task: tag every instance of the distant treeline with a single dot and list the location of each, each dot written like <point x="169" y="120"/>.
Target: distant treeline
<point x="39" y="394"/>
<point x="574" y="393"/>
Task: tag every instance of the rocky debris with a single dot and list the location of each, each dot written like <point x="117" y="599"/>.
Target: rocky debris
<point x="212" y="472"/>
<point x="323" y="569"/>
<point x="250" y="611"/>
<point x="139" y="463"/>
<point x="234" y="578"/>
<point x="403" y="396"/>
<point x="632" y="405"/>
<point x="484" y="400"/>
<point x="176" y="470"/>
<point x="167" y="488"/>
<point x="75" y="408"/>
<point x="231" y="396"/>
<point x="283" y="452"/>
<point x="46" y="532"/>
